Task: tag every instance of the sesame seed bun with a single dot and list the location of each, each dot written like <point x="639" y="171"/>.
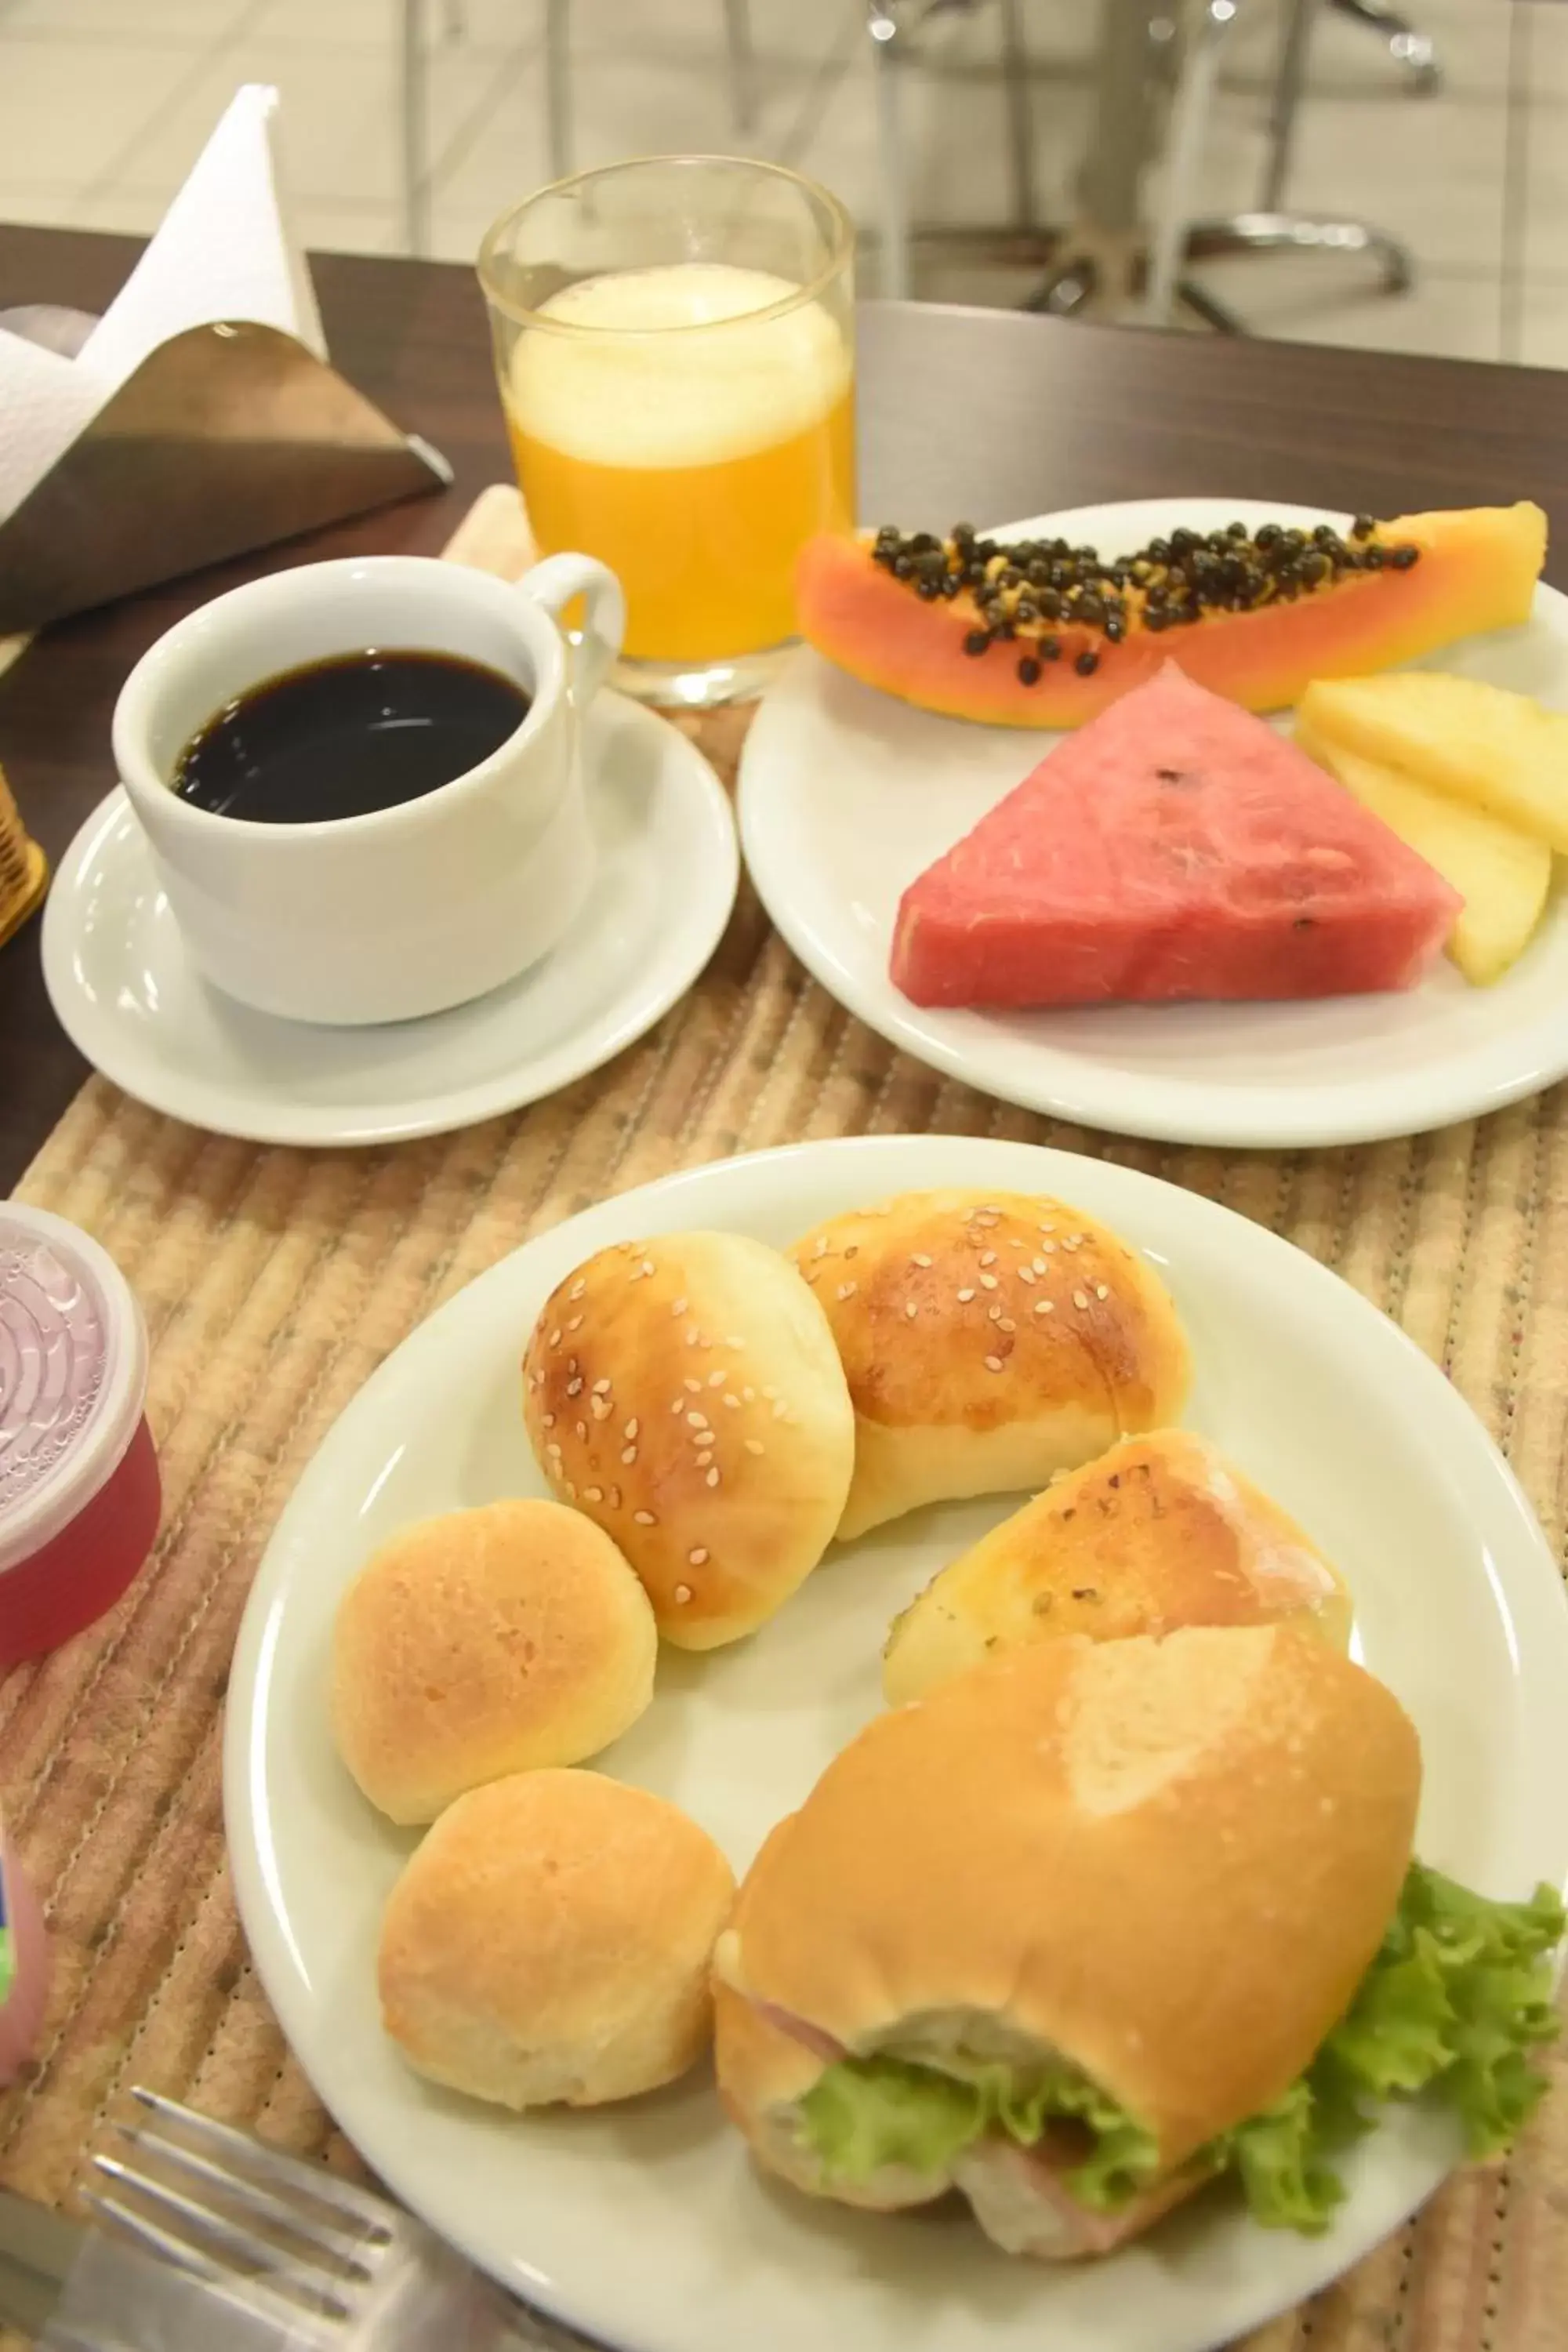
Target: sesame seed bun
<point x="990" y="1341"/>
<point x="549" y="1943"/>
<point x="686" y="1395"/>
<point x="1158" y="1533"/>
<point x="485" y="1642"/>
<point x="1167" y="1862"/>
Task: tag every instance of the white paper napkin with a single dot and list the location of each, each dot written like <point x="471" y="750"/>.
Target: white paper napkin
<point x="223" y="252"/>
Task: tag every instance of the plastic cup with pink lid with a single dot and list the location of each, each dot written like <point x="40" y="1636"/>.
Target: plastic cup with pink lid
<point x="79" y="1497"/>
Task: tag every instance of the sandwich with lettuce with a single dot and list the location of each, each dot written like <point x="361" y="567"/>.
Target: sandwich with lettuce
<point x="1094" y="1926"/>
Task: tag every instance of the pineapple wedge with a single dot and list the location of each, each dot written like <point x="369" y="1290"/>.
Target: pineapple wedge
<point x="1494" y="750"/>
<point x="1503" y="875"/>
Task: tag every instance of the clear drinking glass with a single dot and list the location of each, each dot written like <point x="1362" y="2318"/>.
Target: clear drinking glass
<point x="674" y="340"/>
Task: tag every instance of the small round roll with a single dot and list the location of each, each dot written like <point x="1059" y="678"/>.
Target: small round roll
<point x="549" y="1943"/>
<point x="1159" y="1533"/>
<point x="484" y="1642"/>
<point x="990" y="1339"/>
<point x="686" y="1393"/>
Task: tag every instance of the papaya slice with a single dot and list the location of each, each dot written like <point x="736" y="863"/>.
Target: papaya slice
<point x="1035" y="633"/>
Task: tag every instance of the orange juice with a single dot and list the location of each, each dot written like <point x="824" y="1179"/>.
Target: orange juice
<point x="680" y="425"/>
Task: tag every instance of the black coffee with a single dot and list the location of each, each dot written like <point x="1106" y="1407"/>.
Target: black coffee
<point x="344" y="737"/>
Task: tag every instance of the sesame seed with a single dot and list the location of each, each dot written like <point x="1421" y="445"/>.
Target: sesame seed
<point x="965" y="1297"/>
<point x="602" y="1408"/>
<point x="554" y="1339"/>
<point x="592" y="1494"/>
<point x="992" y="1363"/>
<point x="698" y="1419"/>
<point x="911" y="1309"/>
<point x="575" y="1387"/>
<point x="698" y="1559"/>
<point x="703" y="1460"/>
<point x="601" y="1388"/>
<point x="550" y="1421"/>
<point x="780" y="1411"/>
<point x="987" y="1257"/>
<point x="920" y="1259"/>
<point x="575" y="1323"/>
<point x="570" y="1492"/>
<point x="1044" y="1305"/>
<point x="678" y="1309"/>
<point x="614" y="1498"/>
<point x="731" y="1403"/>
<point x="712" y="1477"/>
<point x="1005" y="1323"/>
<point x="683" y="1593"/>
<point x="993" y="1313"/>
<point x="628" y="1453"/>
<point x="717" y="1380"/>
<point x="645" y="1518"/>
<point x="821" y="1249"/>
<point x="1026" y="1273"/>
<point x="578" y="1288"/>
<point x="647" y="1266"/>
<point x="769" y="1393"/>
<point x="847" y="1289"/>
<point x="1079" y="1298"/>
<point x="582" y="1429"/>
<point x="1048" y="1249"/>
<point x="1101" y="1291"/>
<point x="694" y="1338"/>
<point x="679" y="1405"/>
<point x="988" y="1281"/>
<point x="631" y="1430"/>
<point x="553" y="1450"/>
<point x="749" y="1395"/>
<point x="692" y="1388"/>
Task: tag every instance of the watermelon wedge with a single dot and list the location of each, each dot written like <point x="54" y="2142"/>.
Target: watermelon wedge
<point x="1176" y="847"/>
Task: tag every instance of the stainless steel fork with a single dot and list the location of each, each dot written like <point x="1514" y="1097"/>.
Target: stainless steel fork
<point x="208" y="2236"/>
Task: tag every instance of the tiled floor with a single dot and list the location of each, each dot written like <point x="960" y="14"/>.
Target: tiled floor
<point x="104" y="103"/>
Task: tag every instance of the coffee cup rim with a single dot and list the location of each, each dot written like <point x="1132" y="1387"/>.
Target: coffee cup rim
<point x="137" y="698"/>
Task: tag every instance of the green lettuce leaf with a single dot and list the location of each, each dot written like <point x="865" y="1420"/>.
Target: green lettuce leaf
<point x="1455" y="2000"/>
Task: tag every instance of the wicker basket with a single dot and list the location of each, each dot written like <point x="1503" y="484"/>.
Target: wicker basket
<point x="24" y="874"/>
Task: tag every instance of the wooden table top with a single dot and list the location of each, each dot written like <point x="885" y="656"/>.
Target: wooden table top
<point x="985" y="412"/>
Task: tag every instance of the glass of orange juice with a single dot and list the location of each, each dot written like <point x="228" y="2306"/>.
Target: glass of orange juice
<point x="674" y="343"/>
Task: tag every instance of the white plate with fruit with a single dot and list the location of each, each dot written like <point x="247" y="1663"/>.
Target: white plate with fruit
<point x="594" y="1495"/>
<point x="849" y="794"/>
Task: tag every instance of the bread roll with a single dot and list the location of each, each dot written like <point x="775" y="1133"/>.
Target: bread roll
<point x="1166" y="1863"/>
<point x="686" y="1393"/>
<point x="549" y="1943"/>
<point x="1161" y="1532"/>
<point x="484" y="1642"/>
<point x="990" y="1339"/>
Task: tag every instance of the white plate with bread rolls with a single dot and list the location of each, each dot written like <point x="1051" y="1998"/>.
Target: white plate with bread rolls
<point x="1111" y="1602"/>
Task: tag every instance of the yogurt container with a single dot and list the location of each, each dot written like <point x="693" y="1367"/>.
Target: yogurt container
<point x="79" y="1497"/>
<point x="23" y="1968"/>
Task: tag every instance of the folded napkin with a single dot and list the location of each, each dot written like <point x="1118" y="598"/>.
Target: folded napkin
<point x="212" y="352"/>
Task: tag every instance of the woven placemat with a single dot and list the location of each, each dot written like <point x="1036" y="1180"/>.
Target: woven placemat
<point x="275" y="1281"/>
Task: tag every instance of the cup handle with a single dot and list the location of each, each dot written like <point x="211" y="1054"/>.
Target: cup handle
<point x="553" y="583"/>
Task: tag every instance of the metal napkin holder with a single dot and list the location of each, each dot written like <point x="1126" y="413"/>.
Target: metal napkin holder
<point x="226" y="438"/>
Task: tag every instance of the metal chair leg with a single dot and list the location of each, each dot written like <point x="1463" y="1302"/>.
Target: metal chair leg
<point x="885" y="33"/>
<point x="1020" y="114"/>
<point x="742" y="65"/>
<point x="415" y="98"/>
<point x="1184" y="151"/>
<point x="558" y="86"/>
<point x="1288" y="83"/>
<point x="1407" y="46"/>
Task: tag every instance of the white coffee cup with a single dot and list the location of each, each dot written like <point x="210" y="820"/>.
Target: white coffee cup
<point x="408" y="910"/>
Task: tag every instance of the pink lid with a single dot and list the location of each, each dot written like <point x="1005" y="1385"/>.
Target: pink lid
<point x="73" y="1376"/>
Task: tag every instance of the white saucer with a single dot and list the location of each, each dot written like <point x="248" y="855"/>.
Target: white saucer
<point x="129" y="997"/>
<point x="846" y="795"/>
